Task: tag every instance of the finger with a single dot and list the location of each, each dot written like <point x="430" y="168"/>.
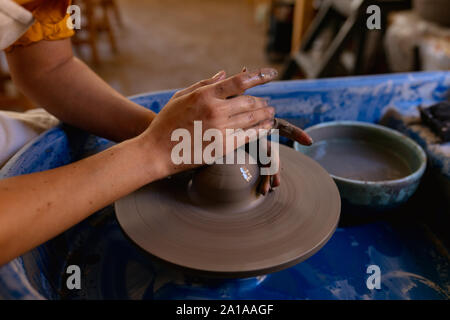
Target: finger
<point x="237" y="84"/>
<point x="292" y="132"/>
<point x="250" y="118"/>
<point x="244" y="69"/>
<point x="276" y="180"/>
<point x="264" y="126"/>
<point x="221" y="75"/>
<point x="241" y="104"/>
<point x="264" y="185"/>
<point x="243" y="136"/>
<point x="268" y="182"/>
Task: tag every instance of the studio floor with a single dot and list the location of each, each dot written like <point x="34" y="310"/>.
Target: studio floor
<point x="172" y="44"/>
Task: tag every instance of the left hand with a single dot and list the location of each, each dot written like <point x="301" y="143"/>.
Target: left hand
<point x="288" y="130"/>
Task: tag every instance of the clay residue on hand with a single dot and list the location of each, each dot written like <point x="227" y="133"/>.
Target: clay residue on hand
<point x="292" y="132"/>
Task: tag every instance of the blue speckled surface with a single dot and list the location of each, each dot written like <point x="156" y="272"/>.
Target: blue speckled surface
<point x="406" y="244"/>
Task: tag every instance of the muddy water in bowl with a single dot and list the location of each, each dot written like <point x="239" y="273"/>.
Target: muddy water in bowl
<point x="359" y="160"/>
<point x="373" y="166"/>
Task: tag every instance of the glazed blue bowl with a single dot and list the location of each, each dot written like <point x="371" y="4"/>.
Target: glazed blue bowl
<point x="372" y="165"/>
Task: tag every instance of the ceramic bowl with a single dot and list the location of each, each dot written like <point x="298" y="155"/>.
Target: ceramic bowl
<point x="372" y="165"/>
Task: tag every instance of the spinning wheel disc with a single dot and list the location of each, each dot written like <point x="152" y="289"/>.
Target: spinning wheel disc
<point x="281" y="229"/>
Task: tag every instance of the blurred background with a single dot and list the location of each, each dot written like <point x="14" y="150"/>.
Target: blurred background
<point x="148" y="45"/>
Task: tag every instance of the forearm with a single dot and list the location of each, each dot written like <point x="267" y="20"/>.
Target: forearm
<point x="36" y="207"/>
<point x="72" y="92"/>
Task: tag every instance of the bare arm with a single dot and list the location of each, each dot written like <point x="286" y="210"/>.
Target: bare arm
<point x="49" y="74"/>
<point x="36" y="207"/>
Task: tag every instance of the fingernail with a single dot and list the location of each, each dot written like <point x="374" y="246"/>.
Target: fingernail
<point x="218" y="75"/>
<point x="268" y="73"/>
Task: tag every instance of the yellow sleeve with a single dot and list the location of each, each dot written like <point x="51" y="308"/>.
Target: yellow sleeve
<point x="50" y="21"/>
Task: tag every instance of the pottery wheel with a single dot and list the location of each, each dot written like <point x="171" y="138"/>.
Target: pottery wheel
<point x="234" y="237"/>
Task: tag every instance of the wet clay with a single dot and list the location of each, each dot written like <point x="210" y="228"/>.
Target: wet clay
<point x="359" y="160"/>
<point x="227" y="237"/>
<point x="226" y="187"/>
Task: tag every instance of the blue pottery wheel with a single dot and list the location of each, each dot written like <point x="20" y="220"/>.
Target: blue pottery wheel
<point x="408" y="252"/>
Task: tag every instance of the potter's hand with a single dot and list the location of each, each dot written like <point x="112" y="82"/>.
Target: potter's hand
<point x="288" y="130"/>
<point x="208" y="101"/>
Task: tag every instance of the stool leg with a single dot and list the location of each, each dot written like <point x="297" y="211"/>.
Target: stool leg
<point x="116" y="11"/>
<point x="92" y="31"/>
<point x="107" y="23"/>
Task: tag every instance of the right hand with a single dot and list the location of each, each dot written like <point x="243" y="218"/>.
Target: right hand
<point x="208" y="102"/>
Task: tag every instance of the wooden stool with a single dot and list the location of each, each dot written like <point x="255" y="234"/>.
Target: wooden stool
<point x="92" y="25"/>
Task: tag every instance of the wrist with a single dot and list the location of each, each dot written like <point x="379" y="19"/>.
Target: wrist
<point x="144" y="120"/>
<point x="133" y="123"/>
<point x="154" y="164"/>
